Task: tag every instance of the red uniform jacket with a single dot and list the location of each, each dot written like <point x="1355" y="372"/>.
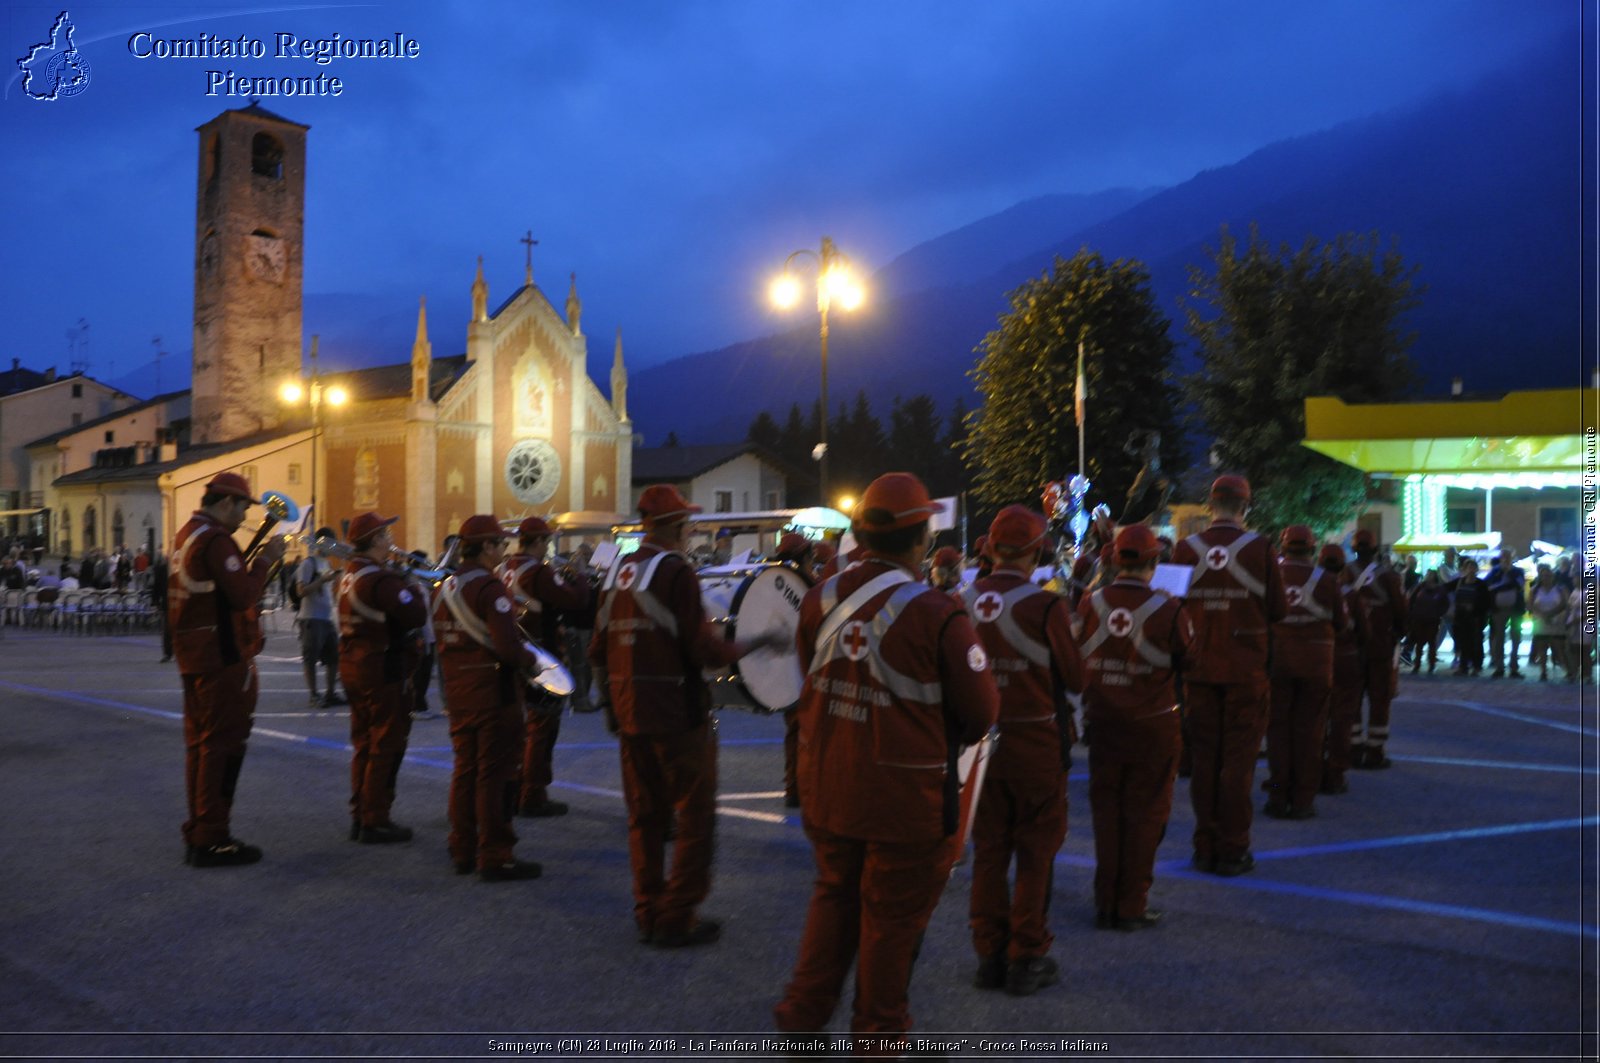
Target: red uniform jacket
<point x="1349" y="640"/>
<point x="480" y="651"/>
<point x="1382" y="600"/>
<point x="1235" y="595"/>
<point x="1132" y="639"/>
<point x="652" y="638"/>
<point x="379" y="615"/>
<point x="895" y="681"/>
<point x="212" y="598"/>
<point x="535" y="585"/>
<point x="1303" y="639"/>
<point x="1027" y="632"/>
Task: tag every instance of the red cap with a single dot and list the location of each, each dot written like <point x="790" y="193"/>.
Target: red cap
<point x="1230" y="486"/>
<point x="892" y="501"/>
<point x="1332" y="552"/>
<point x="946" y="557"/>
<point x="231" y="483"/>
<point x="1298" y="537"/>
<point x="1136" y="545"/>
<point x="662" y="504"/>
<point x="1363" y="539"/>
<point x="1016" y="531"/>
<point x="793" y="544"/>
<point x="532" y="527"/>
<point x="482" y="528"/>
<point x="365" y="526"/>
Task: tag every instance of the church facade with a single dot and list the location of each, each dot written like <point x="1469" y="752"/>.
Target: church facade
<point x="514" y="426"/>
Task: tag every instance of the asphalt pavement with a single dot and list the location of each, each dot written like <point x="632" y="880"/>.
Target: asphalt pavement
<point x="1445" y="908"/>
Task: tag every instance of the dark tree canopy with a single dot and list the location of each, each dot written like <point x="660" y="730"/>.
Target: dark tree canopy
<point x="1025" y="433"/>
<point x="1274" y="326"/>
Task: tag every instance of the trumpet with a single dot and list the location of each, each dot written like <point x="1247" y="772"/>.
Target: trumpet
<point x="410" y="566"/>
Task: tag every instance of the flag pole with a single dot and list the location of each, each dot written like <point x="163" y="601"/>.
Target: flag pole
<point x="1078" y="407"/>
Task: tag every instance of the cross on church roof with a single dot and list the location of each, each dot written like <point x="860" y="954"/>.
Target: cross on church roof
<point x="531" y="243"/>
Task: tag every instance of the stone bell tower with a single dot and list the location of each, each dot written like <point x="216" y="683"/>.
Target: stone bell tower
<point x="249" y="245"/>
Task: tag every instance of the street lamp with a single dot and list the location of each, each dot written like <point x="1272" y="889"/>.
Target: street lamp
<point x="292" y="393"/>
<point x="835" y="283"/>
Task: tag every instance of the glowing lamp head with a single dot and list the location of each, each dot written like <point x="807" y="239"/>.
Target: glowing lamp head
<point x="291" y="391"/>
<point x="336" y="396"/>
<point x="785" y="291"/>
<point x="846" y="503"/>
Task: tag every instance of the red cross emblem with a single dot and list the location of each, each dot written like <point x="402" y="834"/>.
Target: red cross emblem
<point x="854" y="640"/>
<point x="1294" y="594"/>
<point x="1120" y="622"/>
<point x="626" y="576"/>
<point x="1217" y="557"/>
<point x="988" y="606"/>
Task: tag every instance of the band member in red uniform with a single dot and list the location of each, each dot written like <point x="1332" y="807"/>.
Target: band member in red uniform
<point x="1381" y="598"/>
<point x="1344" y="700"/>
<point x="895" y="680"/>
<point x="1133" y="639"/>
<point x="794" y="549"/>
<point x="1234" y="597"/>
<point x="1302" y="677"/>
<point x="1022" y="812"/>
<point x="651" y="645"/>
<point x="212" y="612"/>
<point x="945" y="572"/>
<point x="540" y="594"/>
<point x="380" y="617"/>
<point x="482" y="660"/>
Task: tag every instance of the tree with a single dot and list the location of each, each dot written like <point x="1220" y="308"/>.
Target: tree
<point x="1274" y="326"/>
<point x="764" y="432"/>
<point x="855" y="450"/>
<point x="1024" y="434"/>
<point x="914" y="430"/>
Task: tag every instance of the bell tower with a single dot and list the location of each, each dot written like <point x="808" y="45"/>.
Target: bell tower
<point x="249" y="245"/>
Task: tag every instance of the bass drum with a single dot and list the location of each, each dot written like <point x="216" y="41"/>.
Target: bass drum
<point x="747" y="601"/>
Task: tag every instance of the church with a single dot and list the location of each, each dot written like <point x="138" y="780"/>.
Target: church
<point x="513" y="426"/>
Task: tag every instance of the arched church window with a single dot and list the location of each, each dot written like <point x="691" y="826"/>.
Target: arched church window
<point x="266" y="156"/>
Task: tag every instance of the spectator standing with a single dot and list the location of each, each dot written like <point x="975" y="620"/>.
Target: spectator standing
<point x="1428" y="602"/>
<point x="1547" y="601"/>
<point x="1469" y="603"/>
<point x="1508" y="603"/>
<point x="319" y="631"/>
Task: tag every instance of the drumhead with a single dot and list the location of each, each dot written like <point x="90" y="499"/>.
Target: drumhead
<point x="768" y="600"/>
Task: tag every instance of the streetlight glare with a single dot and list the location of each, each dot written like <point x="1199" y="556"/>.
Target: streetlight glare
<point x="337" y="396"/>
<point x="846" y="503"/>
<point x="785" y="291"/>
<point x="291" y="392"/>
<point x="851" y="296"/>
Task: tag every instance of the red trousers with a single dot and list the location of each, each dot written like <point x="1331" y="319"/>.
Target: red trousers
<point x="483" y="787"/>
<point x="870" y="905"/>
<point x="1131" y="768"/>
<point x="1025" y="818"/>
<point x="1226" y="721"/>
<point x="538" y="750"/>
<point x="1296" y="729"/>
<point x="667" y="776"/>
<point x="218" y="709"/>
<point x="1344" y="715"/>
<point x="1379" y="676"/>
<point x="380" y="725"/>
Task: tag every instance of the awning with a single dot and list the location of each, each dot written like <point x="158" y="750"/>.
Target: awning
<point x="20" y="512"/>
<point x="1461" y="542"/>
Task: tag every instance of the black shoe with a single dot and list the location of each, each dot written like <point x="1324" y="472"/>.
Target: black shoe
<point x="703" y="932"/>
<point x="1358" y="756"/>
<point x="543" y="809"/>
<point x="1515" y="674"/>
<point x="1302" y="812"/>
<point x="791" y="800"/>
<point x="1026" y="977"/>
<point x="1498" y="673"/>
<point x="355" y="830"/>
<point x="1376" y="761"/>
<point x="1236" y="866"/>
<point x="991" y="972"/>
<point x="1275" y="809"/>
<point x="331" y="698"/>
<point x="231" y="853"/>
<point x="1105" y="920"/>
<point x="1139" y="922"/>
<point x="646" y="935"/>
<point x="388" y="834"/>
<point x="1334" y="786"/>
<point x="167" y="658"/>
<point x="511" y="871"/>
<point x="463" y="867"/>
<point x="1203" y="863"/>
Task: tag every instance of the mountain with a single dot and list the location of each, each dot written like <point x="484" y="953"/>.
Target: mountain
<point x="1480" y="188"/>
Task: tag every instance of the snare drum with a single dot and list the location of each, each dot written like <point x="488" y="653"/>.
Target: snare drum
<point x="748" y="601"/>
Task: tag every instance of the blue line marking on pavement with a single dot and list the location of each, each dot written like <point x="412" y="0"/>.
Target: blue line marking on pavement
<point x="1426" y="839"/>
<point x="1466" y="762"/>
<point x="1521" y="717"/>
<point x="105" y="703"/>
